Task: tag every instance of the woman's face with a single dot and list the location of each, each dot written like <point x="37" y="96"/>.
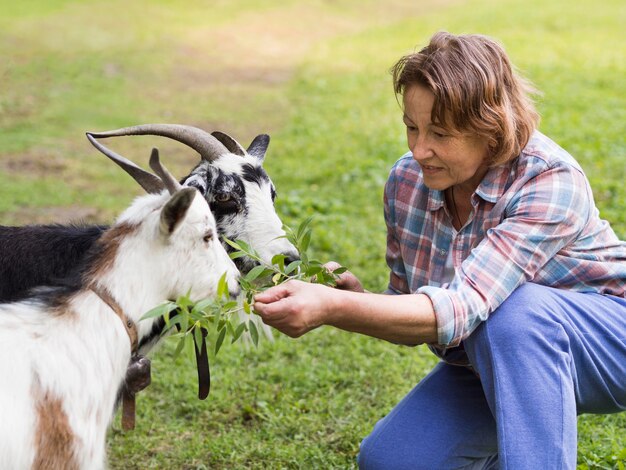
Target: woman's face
<point x="447" y="158"/>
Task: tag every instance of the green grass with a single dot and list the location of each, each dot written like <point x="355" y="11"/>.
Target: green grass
<point x="315" y="76"/>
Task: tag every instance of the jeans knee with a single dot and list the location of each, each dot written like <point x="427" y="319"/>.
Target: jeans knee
<point x="521" y="322"/>
<point x="521" y="314"/>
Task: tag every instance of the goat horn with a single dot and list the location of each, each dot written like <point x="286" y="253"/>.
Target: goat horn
<point x="201" y="141"/>
<point x="231" y="144"/>
<point x="169" y="181"/>
<point x="146" y="180"/>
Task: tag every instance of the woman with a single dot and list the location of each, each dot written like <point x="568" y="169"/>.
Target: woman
<point x="498" y="261"/>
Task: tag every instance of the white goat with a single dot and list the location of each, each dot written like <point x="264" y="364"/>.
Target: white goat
<point x="64" y="354"/>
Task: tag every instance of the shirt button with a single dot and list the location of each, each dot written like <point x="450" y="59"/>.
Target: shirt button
<point x="442" y="252"/>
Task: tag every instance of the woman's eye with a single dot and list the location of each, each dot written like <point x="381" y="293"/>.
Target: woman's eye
<point x="440" y="134"/>
<point x="222" y="197"/>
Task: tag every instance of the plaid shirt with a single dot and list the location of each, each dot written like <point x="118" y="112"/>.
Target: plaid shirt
<point x="533" y="220"/>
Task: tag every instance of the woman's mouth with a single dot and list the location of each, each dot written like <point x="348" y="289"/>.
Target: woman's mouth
<point x="429" y="169"/>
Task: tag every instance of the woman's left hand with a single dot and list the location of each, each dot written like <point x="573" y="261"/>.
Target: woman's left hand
<point x="295" y="307"/>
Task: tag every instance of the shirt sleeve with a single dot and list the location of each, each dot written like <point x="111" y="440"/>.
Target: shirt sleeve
<point x="397" y="275"/>
<point x="542" y="217"/>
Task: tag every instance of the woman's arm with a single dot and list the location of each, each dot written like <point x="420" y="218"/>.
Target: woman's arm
<point x="294" y="308"/>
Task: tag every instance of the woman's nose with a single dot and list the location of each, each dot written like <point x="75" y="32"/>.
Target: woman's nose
<point x="420" y="150"/>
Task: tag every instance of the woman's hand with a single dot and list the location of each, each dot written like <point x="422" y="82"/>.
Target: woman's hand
<point x="295" y="307"/>
<point x="346" y="280"/>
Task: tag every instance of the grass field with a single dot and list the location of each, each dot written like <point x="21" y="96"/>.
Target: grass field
<point x="315" y="76"/>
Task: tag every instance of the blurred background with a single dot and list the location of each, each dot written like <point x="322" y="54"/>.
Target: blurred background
<point x="315" y="76"/>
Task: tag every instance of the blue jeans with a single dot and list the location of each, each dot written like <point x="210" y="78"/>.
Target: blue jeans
<point x="543" y="357"/>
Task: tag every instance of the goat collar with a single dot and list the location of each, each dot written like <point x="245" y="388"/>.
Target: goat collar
<point x="138" y="370"/>
<point x="129" y="325"/>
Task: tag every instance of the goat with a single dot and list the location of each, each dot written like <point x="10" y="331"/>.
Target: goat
<point x="232" y="180"/>
<point x="63" y="352"/>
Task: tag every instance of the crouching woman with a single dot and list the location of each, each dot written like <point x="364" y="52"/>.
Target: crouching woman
<point x="499" y="261"/>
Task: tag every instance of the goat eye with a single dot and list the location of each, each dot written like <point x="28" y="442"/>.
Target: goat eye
<point x="222" y="197"/>
<point x="207" y="237"/>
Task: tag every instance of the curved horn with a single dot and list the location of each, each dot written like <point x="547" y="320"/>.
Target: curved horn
<point x="169" y="181"/>
<point x="146" y="180"/>
<point x="201" y="141"/>
<point x="258" y="146"/>
<point x="231" y="144"/>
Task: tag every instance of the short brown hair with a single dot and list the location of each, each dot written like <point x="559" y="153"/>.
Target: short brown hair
<point x="476" y="90"/>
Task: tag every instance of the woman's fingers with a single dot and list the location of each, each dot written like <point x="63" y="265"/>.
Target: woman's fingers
<point x="272" y="294"/>
<point x="294" y="307"/>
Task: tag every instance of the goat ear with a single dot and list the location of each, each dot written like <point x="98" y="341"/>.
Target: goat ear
<point x="175" y="210"/>
<point x="259" y="145"/>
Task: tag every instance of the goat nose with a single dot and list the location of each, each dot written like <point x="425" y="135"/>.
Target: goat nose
<point x="234" y="291"/>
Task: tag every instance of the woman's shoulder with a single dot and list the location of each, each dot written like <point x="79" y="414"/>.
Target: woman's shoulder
<point x="542" y="153"/>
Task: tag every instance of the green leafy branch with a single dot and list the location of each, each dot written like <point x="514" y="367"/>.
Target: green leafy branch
<point x="221" y="317"/>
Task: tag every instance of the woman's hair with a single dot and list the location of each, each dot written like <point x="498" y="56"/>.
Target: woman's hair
<point x="476" y="90"/>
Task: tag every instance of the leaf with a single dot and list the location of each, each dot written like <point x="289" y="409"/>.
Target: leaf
<point x="177" y="320"/>
<point x="222" y="286"/>
<point x="306" y="240"/>
<point x="279" y="260"/>
<point x="220" y="340"/>
<point x="254" y="273"/>
<point x="203" y="304"/>
<point x="246" y="307"/>
<point x="229" y="327"/>
<point x="302" y="228"/>
<point x="254" y="333"/>
<point x="159" y="311"/>
<point x="180" y="345"/>
<point x="237" y="254"/>
<point x="243" y="246"/>
<point x="235" y="245"/>
<point x="314" y="270"/>
<point x="239" y="331"/>
<point x="340" y="270"/>
<point x="292" y="266"/>
<point x="190" y="350"/>
<point x="276" y="278"/>
<point x="184" y="302"/>
<point x="230" y="305"/>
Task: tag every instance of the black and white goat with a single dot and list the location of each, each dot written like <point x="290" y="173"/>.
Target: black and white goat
<point x="64" y="353"/>
<point x="231" y="178"/>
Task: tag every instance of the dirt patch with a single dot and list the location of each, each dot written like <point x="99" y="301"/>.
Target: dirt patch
<point x="33" y="162"/>
<point x="268" y="45"/>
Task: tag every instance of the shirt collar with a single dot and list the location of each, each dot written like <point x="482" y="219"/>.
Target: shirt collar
<point x="494" y="183"/>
